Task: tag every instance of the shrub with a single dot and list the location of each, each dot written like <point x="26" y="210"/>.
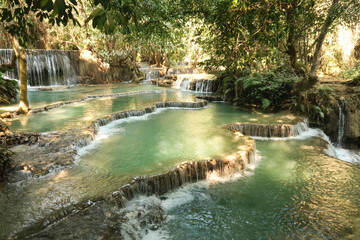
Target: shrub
<point x="8" y="90"/>
<point x="317" y="103"/>
<point x="268" y="91"/>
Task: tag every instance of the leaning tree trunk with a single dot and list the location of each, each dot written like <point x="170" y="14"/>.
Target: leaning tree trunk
<point x="309" y="82"/>
<point x="330" y="18"/>
<point x="21" y="57"/>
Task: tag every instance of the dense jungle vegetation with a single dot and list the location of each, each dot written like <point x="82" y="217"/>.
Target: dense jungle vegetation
<point x="266" y="54"/>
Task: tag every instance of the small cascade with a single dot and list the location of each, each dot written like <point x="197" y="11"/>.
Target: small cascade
<point x="140" y="112"/>
<point x="270" y="130"/>
<point x="185" y="84"/>
<point x="341" y="123"/>
<point x="203" y="86"/>
<point x="189" y="172"/>
<point x="188" y="83"/>
<point x="5" y="57"/>
<point x="150" y="73"/>
<point x="46" y="67"/>
<point x="177" y="83"/>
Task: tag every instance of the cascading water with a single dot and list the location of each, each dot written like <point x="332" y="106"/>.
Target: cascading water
<point x="150" y="73"/>
<point x="299" y="131"/>
<point x="46" y="67"/>
<point x="341" y="123"/>
<point x="5" y="57"/>
<point x="203" y="86"/>
<point x="188" y="83"/>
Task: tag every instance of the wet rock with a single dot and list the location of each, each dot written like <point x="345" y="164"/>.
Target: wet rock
<point x="212" y="98"/>
<point x="6" y="115"/>
<point x="43" y="152"/>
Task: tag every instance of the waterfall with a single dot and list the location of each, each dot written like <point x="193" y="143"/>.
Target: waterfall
<point x="150" y="73"/>
<point x="140" y="112"/>
<point x="203" y="86"/>
<point x="46" y="67"/>
<point x="5" y="57"/>
<point x="341" y="123"/>
<point x="185" y="84"/>
<point x="188" y="83"/>
<point x="189" y="172"/>
<point x="270" y="130"/>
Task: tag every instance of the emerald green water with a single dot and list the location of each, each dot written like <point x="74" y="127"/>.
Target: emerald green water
<point x="43" y="98"/>
<point x="81" y="114"/>
<point x="294" y="192"/>
<point x="125" y="149"/>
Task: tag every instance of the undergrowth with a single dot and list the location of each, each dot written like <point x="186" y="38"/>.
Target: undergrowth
<point x="267" y="91"/>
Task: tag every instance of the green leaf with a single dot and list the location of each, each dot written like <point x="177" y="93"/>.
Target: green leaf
<point x="265" y="103"/>
<point x="302" y="107"/>
<point x="61" y="7"/>
<point x="95" y="13"/>
<point x="251" y="82"/>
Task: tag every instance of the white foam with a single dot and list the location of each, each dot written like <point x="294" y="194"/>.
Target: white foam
<point x="347" y="155"/>
<point x="160" y="234"/>
<point x="309" y="133"/>
<point x="183" y="195"/>
<point x="336" y="152"/>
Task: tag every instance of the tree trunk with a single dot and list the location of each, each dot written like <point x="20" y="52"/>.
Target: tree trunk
<point x="293" y="55"/>
<point x="21" y="56"/>
<point x="331" y="16"/>
<point x="291" y="19"/>
<point x="309" y="82"/>
<point x="134" y="67"/>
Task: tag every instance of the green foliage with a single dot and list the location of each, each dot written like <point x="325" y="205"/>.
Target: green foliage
<point x="8" y="90"/>
<point x="317" y="103"/>
<point x="267" y="91"/>
<point x="352" y="72"/>
<point x="16" y="15"/>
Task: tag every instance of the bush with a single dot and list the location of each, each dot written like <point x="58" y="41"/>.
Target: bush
<point x="8" y="90"/>
<point x="269" y="90"/>
<point x="317" y="103"/>
<point x="352" y="72"/>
